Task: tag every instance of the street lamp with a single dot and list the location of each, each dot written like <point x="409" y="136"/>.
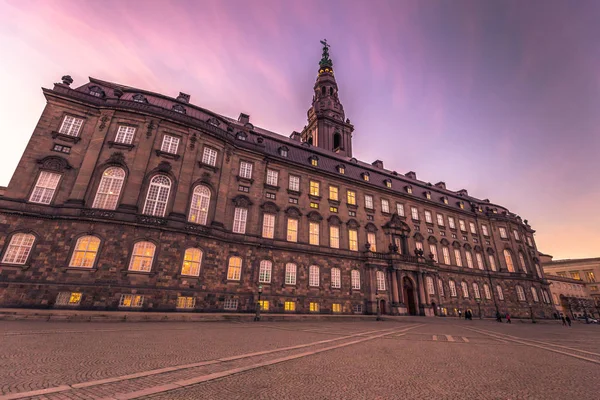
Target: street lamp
<point x="478" y="301"/>
<point x="531" y="312"/>
<point x="378" y="309"/>
<point x="257" y="316"/>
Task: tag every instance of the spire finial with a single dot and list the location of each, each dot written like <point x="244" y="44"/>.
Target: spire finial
<point x="326" y="64"/>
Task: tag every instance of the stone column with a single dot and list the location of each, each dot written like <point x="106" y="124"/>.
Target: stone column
<point x="421" y="290"/>
<point x="401" y="291"/>
<point x="394" y="287"/>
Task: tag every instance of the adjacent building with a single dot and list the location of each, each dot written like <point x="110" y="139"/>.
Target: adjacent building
<point x="130" y="199"/>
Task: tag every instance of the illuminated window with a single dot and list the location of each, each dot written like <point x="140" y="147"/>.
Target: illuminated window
<point x="314" y="188"/>
<point x="234" y="269"/>
<point x="446" y="253"/>
<point x="452" y="287"/>
<point x="199" y="205"/>
<point x="353" y="239"/>
<point x="245" y="170"/>
<point x="520" y="293"/>
<point x="157" y="196"/>
<point x="500" y="292"/>
<point x="19" y="248"/>
<point x="85" y="252"/>
<point x="230" y="304"/>
<point x="292" y="230"/>
<point x="336" y="308"/>
<point x="365" y="176"/>
<point x="314" y="162"/>
<point x="472" y="228"/>
<point x="479" y="259"/>
<point x="186" y="302"/>
<point x="575" y="275"/>
<point x="484" y="230"/>
<point x="336" y="278"/>
<point x="313" y="276"/>
<point x="440" y="220"/>
<point x="109" y="188"/>
<point x="428" y="195"/>
<point x="290" y="306"/>
<point x="476" y="292"/>
<point x="486" y="291"/>
<point x="314" y="307"/>
<point x="268" y="229"/>
<point x="509" y="261"/>
<point x="372" y="240"/>
<point x="333" y="193"/>
<point x="239" y="220"/>
<point x="209" y="156"/>
<point x="388" y="183"/>
<point x="516" y="234"/>
<point x="125" y="134"/>
<point x="351" y="197"/>
<point x="522" y="262"/>
<point x="451" y="223"/>
<point x="341" y="169"/>
<point x="469" y="257"/>
<point x="385" y="206"/>
<point x="264" y="273"/>
<point x="430" y="286"/>
<point x="131" y="300"/>
<point x="445" y="200"/>
<point x="408" y="189"/>
<point x="142" y="256"/>
<point x="458" y="257"/>
<point x="369" y="202"/>
<point x="534" y="293"/>
<point x="503" y="234"/>
<point x="433" y="250"/>
<point x="334" y="237"/>
<point x="465" y="289"/>
<point x="283" y="151"/>
<point x="264" y="305"/>
<point x="400" y="209"/>
<point x="414" y="213"/>
<point x="314" y="205"/>
<point x="461" y="204"/>
<point x="355" y="278"/>
<point x="191" y="262"/>
<point x="590" y="276"/>
<point x="68" y="299"/>
<point x="272" y="177"/>
<point x="313" y="230"/>
<point x="294" y="183"/>
<point x="380" y="280"/>
<point x="44" y="189"/>
<point x="492" y="262"/>
<point x="290" y="274"/>
<point x="333" y="209"/>
<point x="428" y="217"/>
<point x="170" y="144"/>
<point x="461" y="224"/>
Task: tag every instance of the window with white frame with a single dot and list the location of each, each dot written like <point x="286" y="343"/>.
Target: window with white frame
<point x="71" y="126"/>
<point x="430" y="287"/>
<point x="85" y="252"/>
<point x="520" y="293"/>
<point x="428" y="217"/>
<point x="414" y="213"/>
<point x="313" y="233"/>
<point x="245" y="170"/>
<point x="186" y="302"/>
<point x="19" y="248"/>
<point x="371" y="239"/>
<point x="479" y="259"/>
<point x="419" y="245"/>
<point x="516" y="234"/>
<point x="500" y="292"/>
<point x="441" y="287"/>
<point x="290" y="274"/>
<point x="492" y="262"/>
<point x="264" y="273"/>
<point x="433" y="251"/>
<point x="131" y="300"/>
<point x="451" y="223"/>
<point x="465" y="289"/>
<point x="469" y="257"/>
<point x="234" y="269"/>
<point x="239" y="220"/>
<point x="458" y="257"/>
<point x="272" y="177"/>
<point x="446" y="253"/>
<point x="400" y="209"/>
<point x="369" y="201"/>
<point x="199" y="206"/>
<point x="476" y="292"/>
<point x="294" y="183"/>
<point x="503" y="234"/>
<point x="484" y="230"/>
<point x="353" y="239"/>
<point x="534" y="293"/>
<point x="509" y="261"/>
<point x="268" y="228"/>
<point x="486" y="291"/>
<point x="380" y="280"/>
<point x="385" y="206"/>
<point x="334" y="237"/>
<point x="170" y="144"/>
<point x="472" y="228"/>
<point x="522" y="262"/>
<point x="142" y="256"/>
<point x="355" y="278"/>
<point x="440" y="220"/>
<point x="292" y="230"/>
<point x="109" y="189"/>
<point x="44" y="189"/>
<point x="461" y="224"/>
<point x="158" y="196"/>
<point x="209" y="156"/>
<point x="230" y="304"/>
<point x="192" y="259"/>
<point x="452" y="287"/>
<point x="68" y="299"/>
<point x="125" y="134"/>
<point x="314" y="278"/>
<point x="336" y="278"/>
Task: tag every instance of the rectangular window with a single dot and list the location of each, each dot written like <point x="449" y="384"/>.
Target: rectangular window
<point x="440" y="220"/>
<point x="400" y="209"/>
<point x="264" y="272"/>
<point x="333" y="193"/>
<point x="355" y="277"/>
<point x="68" y="299"/>
<point x="61" y="149"/>
<point x="333" y="209"/>
<point x="369" y="202"/>
<point x="131" y="300"/>
<point x="575" y="275"/>
<point x="271" y="196"/>
<point x="336" y="278"/>
<point x="472" y="228"/>
<point x="293" y="200"/>
<point x="268" y="230"/>
<point x="380" y="280"/>
<point x="264" y="305"/>
<point x="479" y="259"/>
<point x="169" y="144"/>
<point x="314" y="205"/>
<point x="484" y="230"/>
<point x="385" y="206"/>
<point x="428" y="218"/>
<point x="469" y="259"/>
<point x="239" y="220"/>
<point x="414" y="213"/>
<point x="245" y="170"/>
<point x="462" y="225"/>
<point x="458" y="257"/>
<point x="451" y="223"/>
<point x="71" y="126"/>
<point x="419" y="245"/>
<point x="290" y="274"/>
<point x="125" y="134"/>
<point x="433" y="251"/>
<point x="314" y="307"/>
<point x="230" y="304"/>
<point x="516" y="234"/>
<point x="313" y="233"/>
<point x="372" y="241"/>
<point x="292" y="230"/>
<point x="430" y="287"/>
<point x="45" y="187"/>
<point x="357" y="308"/>
<point x="243" y="188"/>
<point x="272" y="177"/>
<point x="314" y="188"/>
<point x="352" y="213"/>
<point x="209" y="156"/>
<point x="351" y="197"/>
<point x="503" y="234"/>
<point x="334" y="237"/>
<point x="590" y="276"/>
<point x="294" y="183"/>
<point x="234" y="270"/>
<point x="353" y="239"/>
<point x="336" y="307"/>
<point x="314" y="279"/>
<point x="492" y="262"/>
<point x="186" y="302"/>
<point x="529" y="241"/>
<point x="290" y="306"/>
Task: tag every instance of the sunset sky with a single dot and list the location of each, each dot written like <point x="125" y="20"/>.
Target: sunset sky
<point x="499" y="97"/>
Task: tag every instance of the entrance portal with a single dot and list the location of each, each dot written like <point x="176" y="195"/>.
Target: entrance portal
<point x="382" y="306"/>
<point x="409" y="296"/>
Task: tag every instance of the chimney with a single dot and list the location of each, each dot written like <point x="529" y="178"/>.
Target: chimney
<point x="441" y="185"/>
<point x="243" y="118"/>
<point x="183" y="97"/>
<point x="377" y="164"/>
<point x="295" y="136"/>
<point x="411" y="175"/>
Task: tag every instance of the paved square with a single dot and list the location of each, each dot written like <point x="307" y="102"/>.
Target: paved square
<point x="418" y="358"/>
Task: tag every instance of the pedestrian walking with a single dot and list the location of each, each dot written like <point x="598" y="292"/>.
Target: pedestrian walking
<point x="459" y="314"/>
<point x="498" y="316"/>
<point x="564" y="321"/>
<point x="568" y="320"/>
<point x="508" y="318"/>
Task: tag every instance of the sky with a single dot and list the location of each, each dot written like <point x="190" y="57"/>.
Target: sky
<point x="498" y="97"/>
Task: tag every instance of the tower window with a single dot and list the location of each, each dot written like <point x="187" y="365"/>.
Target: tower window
<point x="337" y="141"/>
<point x="331" y="91"/>
<point x="323" y="90"/>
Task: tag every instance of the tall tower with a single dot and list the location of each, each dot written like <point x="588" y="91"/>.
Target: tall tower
<point x="327" y="126"/>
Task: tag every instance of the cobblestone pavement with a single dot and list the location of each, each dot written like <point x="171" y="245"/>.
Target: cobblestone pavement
<point x="418" y="358"/>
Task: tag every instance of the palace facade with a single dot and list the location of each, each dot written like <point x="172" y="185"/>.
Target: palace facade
<point x="128" y="199"/>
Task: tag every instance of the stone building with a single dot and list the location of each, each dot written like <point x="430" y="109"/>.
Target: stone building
<point x="130" y="199"/>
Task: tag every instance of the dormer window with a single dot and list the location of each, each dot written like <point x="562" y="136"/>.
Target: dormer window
<point x="96" y="91"/>
<point x="388" y="183"/>
<point x="495" y="210"/>
<point x="139" y="98"/>
<point x="461" y="204"/>
<point x="314" y="161"/>
<point x="178" y="108"/>
<point x="445" y="199"/>
<point x="341" y="169"/>
<point x="428" y="195"/>
<point x="283" y="151"/>
<point x="408" y="189"/>
<point x="365" y="176"/>
<point x="241" y="136"/>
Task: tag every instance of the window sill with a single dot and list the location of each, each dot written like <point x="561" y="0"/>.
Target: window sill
<point x="271" y="187"/>
<point x="416" y="221"/>
<point x="80" y="269"/>
<point x="351" y="206"/>
<point x="65" y="138"/>
<point x="387" y="214"/>
<point x="19" y="266"/>
<point x="313" y="197"/>
<point x="182" y="276"/>
<point x="294" y="192"/>
<point x="207" y="166"/>
<point x="334" y="202"/>
<point x="245" y="180"/>
<point x="369" y="210"/>
<point x="141" y="273"/>
<point x="165" y="154"/>
<point x="119" y="145"/>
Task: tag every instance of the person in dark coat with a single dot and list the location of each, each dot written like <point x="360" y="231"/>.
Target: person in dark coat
<point x="568" y="320"/>
<point x="498" y="316"/>
<point x="564" y="321"/>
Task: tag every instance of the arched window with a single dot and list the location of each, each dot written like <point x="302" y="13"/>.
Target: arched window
<point x="331" y="91"/>
<point x="509" y="261"/>
<point x="534" y="293"/>
<point x="492" y="262"/>
<point x="441" y="287"/>
<point x="469" y="257"/>
<point x="109" y="188"/>
<point x="337" y="140"/>
<point x="458" y="257"/>
<point x="446" y="253"/>
<point x="142" y="256"/>
<point x="479" y="259"/>
<point x="380" y="280"/>
<point x="290" y="274"/>
<point x="500" y="292"/>
<point x="264" y="273"/>
<point x="476" y="292"/>
<point x="355" y="277"/>
<point x="336" y="278"/>
<point x="200" y="204"/>
<point x="85" y="252"/>
<point x="520" y="293"/>
<point x="323" y="90"/>
<point x="522" y="262"/>
<point x="430" y="287"/>
<point x="192" y="259"/>
<point x="19" y="248"/>
<point x="465" y="289"/>
<point x="486" y="290"/>
<point x="452" y="287"/>
<point x="234" y="269"/>
<point x="313" y="276"/>
<point x="158" y="196"/>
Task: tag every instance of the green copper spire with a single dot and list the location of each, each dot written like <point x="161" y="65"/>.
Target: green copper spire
<point x="326" y="64"/>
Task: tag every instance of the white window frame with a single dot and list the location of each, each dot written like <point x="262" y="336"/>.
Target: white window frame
<point x="479" y="259"/>
<point x="240" y="217"/>
<point x="451" y="223"/>
<point x="170" y="144"/>
<point x="469" y="258"/>
<point x="473" y="228"/>
<point x="520" y="293"/>
<point x="109" y="189"/>
<point x="487" y="291"/>
<point x="336" y="278"/>
<point x="440" y="219"/>
<point x="400" y="209"/>
<point x="45" y="187"/>
<point x="334" y="236"/>
<point x="314" y="276"/>
<point x="509" y="260"/>
<point x="414" y="213"/>
<point x="452" y="286"/>
<point x="19" y="248"/>
<point x="385" y="206"/>
<point x="500" y="292"/>
<point x="492" y="262"/>
<point x="503" y="233"/>
<point x="351" y="197"/>
<point x="380" y="280"/>
<point x="446" y="254"/>
<point x="484" y="230"/>
<point x="462" y="225"/>
<point x="430" y="286"/>
<point x="234" y="268"/>
<point x="516" y="234"/>
<point x="131" y="301"/>
<point x="185" y="302"/>
<point x="125" y="134"/>
<point x="294" y="183"/>
<point x="433" y="250"/>
<point x="200" y="205"/>
<point x="245" y="169"/>
<point x="292" y="230"/>
<point x="465" y="289"/>
<point x="71" y="126"/>
<point x="476" y="292"/>
<point x="441" y="287"/>
<point x="265" y="271"/>
<point x="313" y="233"/>
<point x="157" y="196"/>
<point x="209" y="156"/>
<point x="268" y="227"/>
<point x="458" y="257"/>
<point x="140" y="259"/>
<point x="230" y="304"/>
<point x="428" y="217"/>
<point x="522" y="262"/>
<point x="272" y="177"/>
<point x="369" y="202"/>
<point x="355" y="278"/>
<point x="535" y="295"/>
<point x="192" y="261"/>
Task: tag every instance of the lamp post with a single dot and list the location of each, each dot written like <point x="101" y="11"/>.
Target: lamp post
<point x="257" y="316"/>
<point x="531" y="312"/>
<point x="378" y="309"/>
<point x="478" y="301"/>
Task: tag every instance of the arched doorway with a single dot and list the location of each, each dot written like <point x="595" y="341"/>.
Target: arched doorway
<point x="382" y="306"/>
<point x="434" y="307"/>
<point x="409" y="295"/>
